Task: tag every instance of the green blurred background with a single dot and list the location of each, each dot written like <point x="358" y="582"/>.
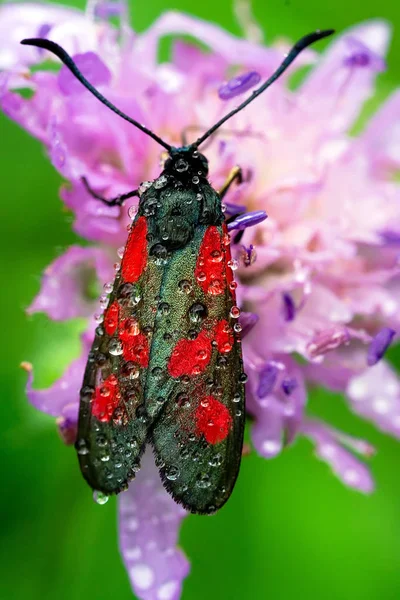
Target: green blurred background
<point x="290" y="529"/>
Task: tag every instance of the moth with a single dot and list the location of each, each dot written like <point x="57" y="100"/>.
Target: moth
<point x="166" y="364"/>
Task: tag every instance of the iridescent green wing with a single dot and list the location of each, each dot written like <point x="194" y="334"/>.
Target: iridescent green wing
<point x="196" y="373"/>
<point x="113" y="423"/>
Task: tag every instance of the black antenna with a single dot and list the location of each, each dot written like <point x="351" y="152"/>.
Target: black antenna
<point x="67" y="60"/>
<point x="305" y="41"/>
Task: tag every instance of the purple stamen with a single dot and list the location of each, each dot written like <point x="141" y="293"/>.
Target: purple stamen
<point x="289" y="307"/>
<point x="106" y="10"/>
<point x="360" y="56"/>
<point x="358" y="59"/>
<point x="238" y="85"/>
<point x="267" y="380"/>
<point x="233" y="209"/>
<point x="248" y="220"/>
<point x="390" y="237"/>
<point x="289" y="384"/>
<point x="380" y="343"/>
<point x="43" y="31"/>
<point x="248" y="255"/>
<point x="247" y="321"/>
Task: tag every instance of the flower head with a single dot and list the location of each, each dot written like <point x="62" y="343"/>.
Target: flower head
<point x="318" y="280"/>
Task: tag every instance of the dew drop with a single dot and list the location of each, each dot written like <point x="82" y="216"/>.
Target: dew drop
<point x="132" y="212"/>
<point x="181" y="165"/>
<point x="185" y="286"/>
<point x="121" y="251"/>
<point x="182" y="400"/>
<point x="195" y="180"/>
<point x="103" y="301"/>
<point x="145" y="185"/>
<point x="161" y="182"/>
<point x="157" y="372"/>
<point x="115" y="348"/>
<point x="216" y="256"/>
<point x="237" y="397"/>
<point x="203" y="482"/>
<point x="235" y="312"/>
<point x="172" y="473"/>
<point x="108" y="287"/>
<point x="237" y="327"/>
<point x="215" y="288"/>
<point x="160" y="253"/>
<point x="233" y="264"/>
<point x="100" y="497"/>
<point x="216" y="460"/>
<point x="81" y="447"/>
<point x="117" y="267"/>
<point x="197" y="313"/>
<point x="164" y="309"/>
<point x="99" y="318"/>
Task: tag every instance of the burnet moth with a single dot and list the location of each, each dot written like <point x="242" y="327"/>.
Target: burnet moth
<point x="166" y="365"/>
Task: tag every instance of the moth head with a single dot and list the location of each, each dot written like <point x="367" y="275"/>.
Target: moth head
<point x="187" y="161"/>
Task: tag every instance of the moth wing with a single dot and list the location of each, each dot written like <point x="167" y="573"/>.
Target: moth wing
<point x="198" y="435"/>
<point x="113" y="424"/>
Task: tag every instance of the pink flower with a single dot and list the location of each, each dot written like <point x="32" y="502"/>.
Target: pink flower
<point x="319" y="279"/>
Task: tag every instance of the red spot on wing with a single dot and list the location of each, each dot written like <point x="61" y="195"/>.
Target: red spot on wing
<point x="135" y="256"/>
<point x="213" y="420"/>
<point x="190" y="357"/>
<point x="135" y="344"/>
<point x="210" y="266"/>
<point x="224" y="337"/>
<point x="106" y="399"/>
<point x="111" y="318"/>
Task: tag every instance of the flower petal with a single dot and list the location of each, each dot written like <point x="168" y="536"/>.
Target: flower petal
<point x="67" y="26"/>
<point x="149" y="521"/>
<point x="91" y="66"/>
<point x="61" y="399"/>
<point x="382" y="135"/>
<point x="375" y="395"/>
<point x="329" y="448"/>
<point x="340" y="84"/>
<point x="65" y="282"/>
<point x="234" y="50"/>
<point x="278" y="415"/>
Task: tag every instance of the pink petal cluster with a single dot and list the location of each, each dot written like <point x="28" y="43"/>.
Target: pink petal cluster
<point x="319" y="279"/>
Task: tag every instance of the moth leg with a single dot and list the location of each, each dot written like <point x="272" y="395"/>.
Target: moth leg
<point x="118" y="201"/>
<point x="236" y="174"/>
